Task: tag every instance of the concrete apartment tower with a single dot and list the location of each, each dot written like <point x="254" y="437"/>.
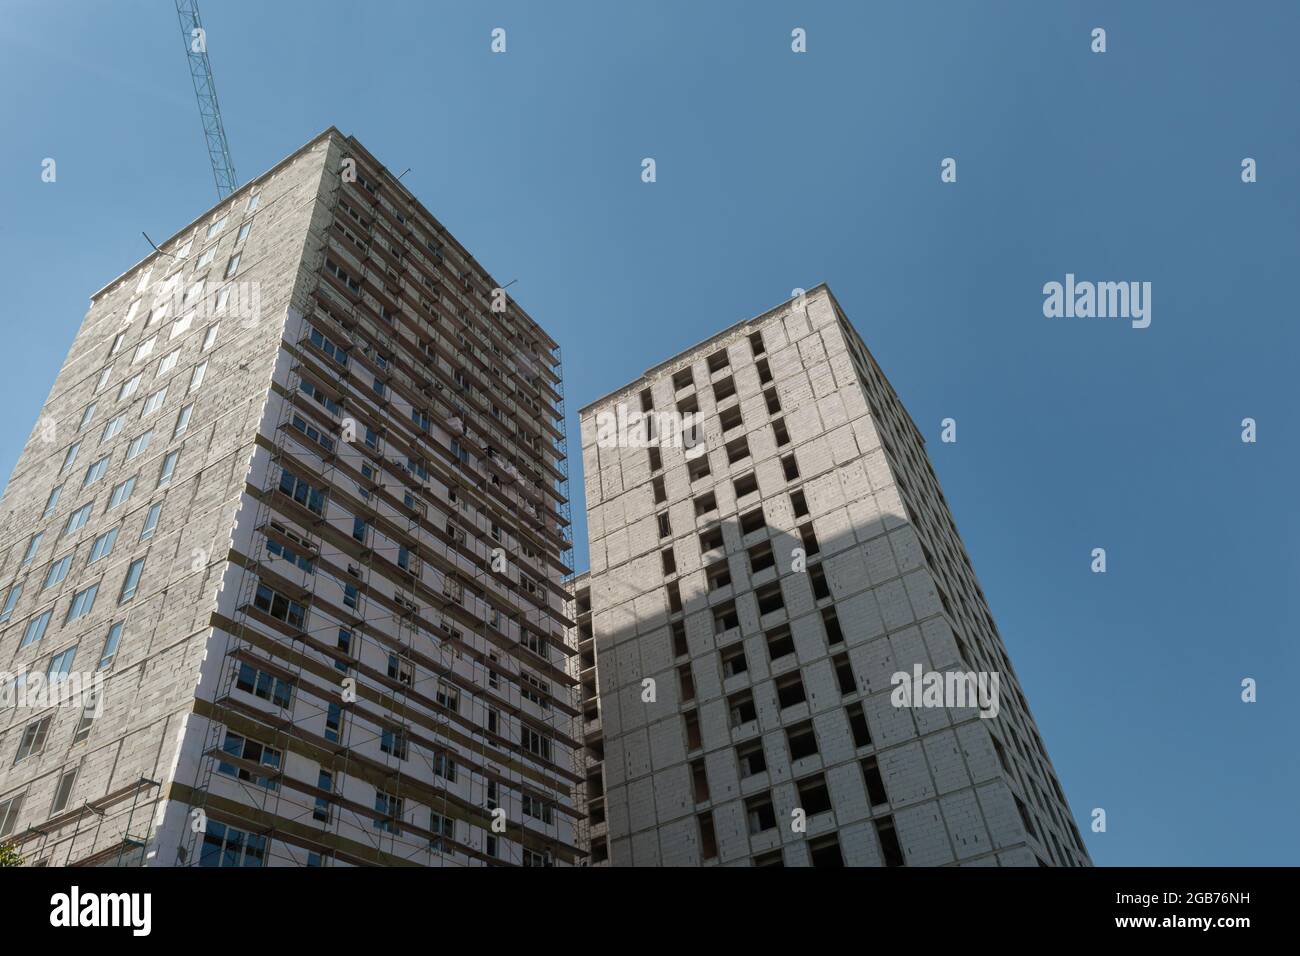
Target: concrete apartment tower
<point x="297" y="498"/>
<point x="751" y="598"/>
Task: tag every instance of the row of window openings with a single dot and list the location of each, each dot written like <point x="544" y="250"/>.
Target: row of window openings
<point x="707" y="503"/>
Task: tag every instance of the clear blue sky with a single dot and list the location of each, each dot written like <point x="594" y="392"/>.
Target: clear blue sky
<point x="778" y="170"/>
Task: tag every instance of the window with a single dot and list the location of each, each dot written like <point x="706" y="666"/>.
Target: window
<point x="10" y="600"/>
<point x="535" y="743"/>
<point x="737" y="450"/>
<point x="724" y="389"/>
<point x="196" y="377"/>
<point x="324" y="781"/>
<point x="138" y="444"/>
<point x="117" y="344"/>
<point x="121" y="492"/>
<point x="773" y="402"/>
<point x="779" y="642"/>
<point x="62" y="791"/>
<point x="110" y="646"/>
<point x="70" y="456"/>
<point x="752" y="521"/>
<point x="761" y="557"/>
<point x="182" y="421"/>
<point x="791" y="469"/>
<point x="103" y="378"/>
<point x="752" y="759"/>
<point x="718" y="361"/>
<point x="32" y="547"/>
<point x="168" y="467"/>
<point x="333" y="723"/>
<point x="58" y="571"/>
<point x="725" y="617"/>
<point x="61" y="664"/>
<point x="154" y="402"/>
<point x="799" y="503"/>
<point x="740" y="708"/>
<point x="168" y="363"/>
<point x="698" y="467"/>
<point x="665" y="528"/>
<point x="86" y="415"/>
<point x="731" y="419"/>
<point x="802" y="741"/>
<point x="112" y="428"/>
<point x="825" y="852"/>
<point x="77" y="519"/>
<point x="844" y="674"/>
<point x="265" y="685"/>
<point x="300" y="491"/>
<point x="82" y="603"/>
<point x="216" y="227"/>
<point x="89" y="714"/>
<point x="35" y="629"/>
<point x="209" y="338"/>
<point x="132" y="581"/>
<point x="206" y="257"/>
<point x="790" y="691"/>
<point x="718" y="574"/>
<point x="33" y="739"/>
<point x="144" y="349"/>
<point x="889" y="845"/>
<point x="278" y="606"/>
<point x="185" y="248"/>
<point x="401" y="670"/>
<point x="129" y="386"/>
<point x="226" y="846"/>
<point x="95" y="472"/>
<point x="779" y="430"/>
<point x="232" y="266"/>
<point x="858" y="725"/>
<point x="9" y="810"/>
<point x="243" y="232"/>
<point x="253" y="200"/>
<point x="394" y="742"/>
<point x="390" y="809"/>
<point x="151" y="520"/>
<point x="770" y="598"/>
<point x="52" y="501"/>
<point x="683" y="379"/>
<point x="874" y="781"/>
<point x="254" y="752"/>
<point x="759" y="813"/>
<point x="745" y="485"/>
<point x="443" y="828"/>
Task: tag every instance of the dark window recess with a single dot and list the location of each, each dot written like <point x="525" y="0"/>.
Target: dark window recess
<point x="875" y="782"/>
<point x="731" y="418"/>
<point x="752" y="759"/>
<point x="831" y="622"/>
<point x="802" y="741"/>
<point x="683" y="379"/>
<point x="708" y="842"/>
<point x="773" y="858"/>
<point x="647" y="400"/>
<point x="825" y="852"/>
<point x="773" y="403"/>
<point x="737" y="450"/>
<point x="689" y="404"/>
<point x="817" y="577"/>
<point x="756" y="343"/>
<point x="858" y="725"/>
<point x="656" y="460"/>
<point x="665" y="529"/>
<point x="674" y="598"/>
<point x="718" y="575"/>
<point x="705" y="504"/>
<point x="718" y="361"/>
<point x="660" y="494"/>
<point x="761" y="557"/>
<point x="711" y="539"/>
<point x="725" y="618"/>
<point x="759" y="813"/>
<point x="686" y="682"/>
<point x="752" y="521"/>
<point x="740" y="708"/>
<point x="779" y="642"/>
<point x="770" y="598"/>
<point x="669" y="561"/>
<point x="791" y="467"/>
<point x="889" y="844"/>
<point x="693" y="739"/>
<point x="700" y="779"/>
<point x="844" y="674"/>
<point x="764" y="372"/>
<point x="789" y="691"/>
<point x="809" y="536"/>
<point x="724" y="389"/>
<point x="814" y="796"/>
<point x="698" y="467"/>
<point x="733" y="660"/>
<point x="679" y="639"/>
<point x="745" y="485"/>
<point x="799" y="503"/>
<point x="782" y="435"/>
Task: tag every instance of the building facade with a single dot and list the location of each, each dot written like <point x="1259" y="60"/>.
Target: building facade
<point x="295" y="518"/>
<point x="769" y="548"/>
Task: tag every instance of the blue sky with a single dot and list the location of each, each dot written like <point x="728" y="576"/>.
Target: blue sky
<point x="778" y="170"/>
